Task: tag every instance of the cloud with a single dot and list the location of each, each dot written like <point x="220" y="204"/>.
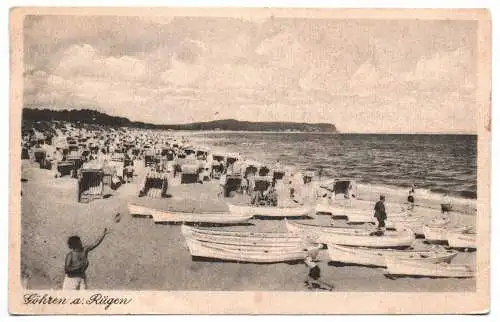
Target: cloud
<point x="283" y="50"/>
<point x="84" y="60"/>
<point x="181" y="73"/>
<point x="175" y="70"/>
<point x="445" y="69"/>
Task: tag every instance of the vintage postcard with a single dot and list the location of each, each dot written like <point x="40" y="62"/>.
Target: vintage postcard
<point x="253" y="161"/>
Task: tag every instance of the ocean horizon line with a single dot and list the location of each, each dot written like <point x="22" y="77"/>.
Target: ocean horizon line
<point x="328" y="133"/>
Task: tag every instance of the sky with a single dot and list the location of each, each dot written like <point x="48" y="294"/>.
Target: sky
<point x="364" y="76"/>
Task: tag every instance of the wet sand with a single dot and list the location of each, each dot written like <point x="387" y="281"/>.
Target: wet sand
<point x="141" y="255"/>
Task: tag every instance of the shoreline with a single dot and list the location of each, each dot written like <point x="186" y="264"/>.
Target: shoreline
<point x="424" y="193"/>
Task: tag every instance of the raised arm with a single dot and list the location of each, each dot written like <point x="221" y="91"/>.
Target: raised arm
<point x="98" y="241"/>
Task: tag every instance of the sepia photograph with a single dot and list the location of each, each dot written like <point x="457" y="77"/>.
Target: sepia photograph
<point x="261" y="154"/>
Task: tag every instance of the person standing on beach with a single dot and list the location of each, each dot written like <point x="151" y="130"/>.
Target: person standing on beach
<point x="129" y="171"/>
<point x="77" y="262"/>
<point x="57" y="157"/>
<point x="380" y="213"/>
<point x="244" y="185"/>
<point x="222" y="184"/>
<point x="310" y="190"/>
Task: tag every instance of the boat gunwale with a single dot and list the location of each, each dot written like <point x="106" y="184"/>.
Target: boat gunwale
<point x="270" y="211"/>
<point x="235" y="233"/>
<point x="347" y="231"/>
<point x="250" y="248"/>
<point x="429" y="268"/>
<point x="224" y="254"/>
<point x="383" y="252"/>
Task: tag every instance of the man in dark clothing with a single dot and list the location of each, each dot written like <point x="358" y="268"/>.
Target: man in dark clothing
<point x="380" y="213"/>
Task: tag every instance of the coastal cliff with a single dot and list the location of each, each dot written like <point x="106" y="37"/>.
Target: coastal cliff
<point x="87" y="116"/>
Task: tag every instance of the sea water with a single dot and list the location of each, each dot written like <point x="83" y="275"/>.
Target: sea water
<point x="436" y="164"/>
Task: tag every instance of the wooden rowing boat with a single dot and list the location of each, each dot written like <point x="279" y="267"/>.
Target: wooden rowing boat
<point x="391" y="223"/>
<point x="410" y="222"/>
<point x="139" y="211"/>
<point x="340" y="208"/>
<point x="355" y="215"/>
<point x="352" y="236"/>
<point x="461" y="240"/>
<point x="417" y="268"/>
<point x="243" y="253"/>
<point x="438" y="222"/>
<point x="440" y="234"/>
<point x="270" y="239"/>
<point x="377" y="257"/>
<point x="249" y="241"/>
<point x="365" y="216"/>
<point x="218" y="232"/>
<point x="360" y="217"/>
<point x="334" y="210"/>
<point x="414" y="225"/>
<point x="301" y="211"/>
<point x="216" y="217"/>
<point x="302" y="228"/>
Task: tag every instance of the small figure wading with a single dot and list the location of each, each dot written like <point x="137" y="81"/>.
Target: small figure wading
<point x="77" y="262"/>
<point x="445" y="204"/>
<point x="411" y="198"/>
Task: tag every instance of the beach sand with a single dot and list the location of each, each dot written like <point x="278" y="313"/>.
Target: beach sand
<point x="141" y="255"/>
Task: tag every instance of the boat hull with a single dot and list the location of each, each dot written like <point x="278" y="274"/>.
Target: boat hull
<point x="412" y="268"/>
<point x="358" y="218"/>
<point x="352" y="237"/>
<point x="415" y="226"/>
<point x="161" y="216"/>
<point x="224" y="233"/>
<point x="335" y="211"/>
<point x="245" y="254"/>
<point x="270" y="211"/>
<point x="243" y="238"/>
<point x="377" y="257"/>
<point x="440" y="234"/>
<point x="460" y="240"/>
<point x="357" y="205"/>
<point x="139" y="211"/>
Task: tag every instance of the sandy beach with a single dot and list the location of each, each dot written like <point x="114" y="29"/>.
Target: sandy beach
<point x="141" y="255"/>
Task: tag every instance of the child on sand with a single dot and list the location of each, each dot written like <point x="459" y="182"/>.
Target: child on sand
<point x="312" y="281"/>
<point x="77" y="262"/>
<point x="314" y="273"/>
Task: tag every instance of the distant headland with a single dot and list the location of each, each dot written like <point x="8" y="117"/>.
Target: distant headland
<point x="94" y="117"/>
